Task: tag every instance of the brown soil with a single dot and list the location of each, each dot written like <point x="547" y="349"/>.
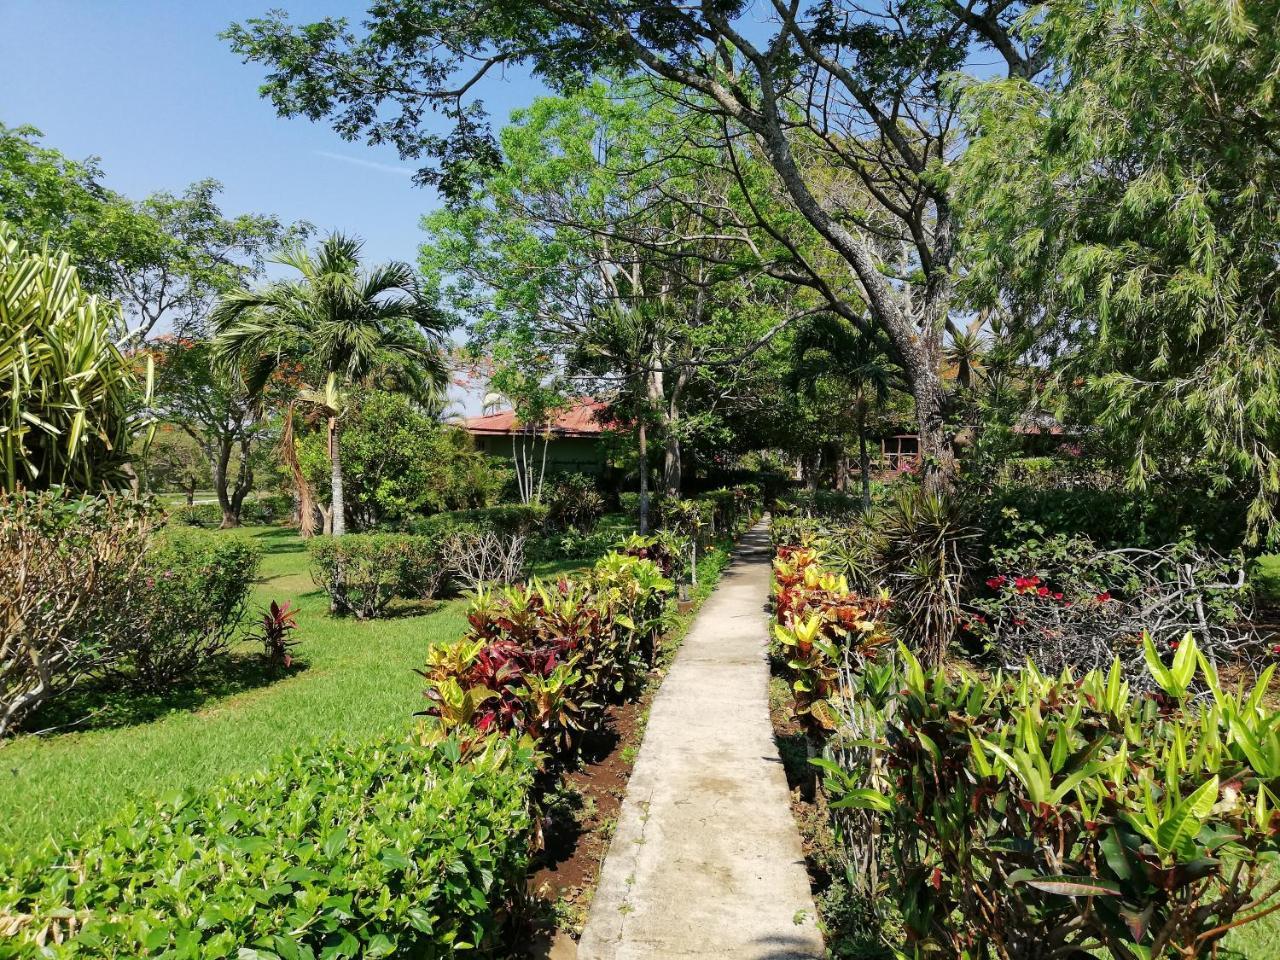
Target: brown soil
<point x="575" y="842"/>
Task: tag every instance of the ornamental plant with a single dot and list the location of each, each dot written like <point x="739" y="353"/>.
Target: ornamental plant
<point x="820" y="627"/>
<point x="545" y="659"/>
<point x="346" y="849"/>
<point x="1043" y="816"/>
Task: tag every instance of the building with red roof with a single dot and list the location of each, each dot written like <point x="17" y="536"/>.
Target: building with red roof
<point x="575" y="439"/>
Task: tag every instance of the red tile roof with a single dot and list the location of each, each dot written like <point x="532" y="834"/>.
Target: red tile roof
<point x="580" y="420"/>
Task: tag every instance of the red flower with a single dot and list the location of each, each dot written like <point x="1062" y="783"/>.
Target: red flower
<point x="1103" y="597"/>
<point x="1018" y="622"/>
<point x="1173" y="644"/>
<point x="1043" y="592"/>
<point x="995" y="583"/>
<point x="1057" y="596"/>
<point x="1023" y="584"/>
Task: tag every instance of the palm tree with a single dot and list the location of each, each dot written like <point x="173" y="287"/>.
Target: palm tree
<point x="830" y="348"/>
<point x="341" y="322"/>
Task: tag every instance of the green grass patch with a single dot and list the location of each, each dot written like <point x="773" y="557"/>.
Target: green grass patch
<point x="106" y="746"/>
<point x="357" y="678"/>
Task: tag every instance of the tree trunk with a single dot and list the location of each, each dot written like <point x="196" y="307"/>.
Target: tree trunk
<point x="864" y="463"/>
<point x="672" y="461"/>
<point x="644" y="478"/>
<point x="191" y="493"/>
<point x="305" y="498"/>
<point x="938" y="459"/>
<point x="230" y="511"/>
<point x="338" y="502"/>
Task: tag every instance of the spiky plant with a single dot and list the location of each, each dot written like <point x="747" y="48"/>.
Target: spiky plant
<point x="72" y="400"/>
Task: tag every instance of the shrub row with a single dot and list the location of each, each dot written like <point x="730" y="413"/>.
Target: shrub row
<point x="89" y="591"/>
<point x="1075" y="815"/>
<point x="366" y="849"/>
<point x="544" y="659"/>
<point x="363" y="572"/>
<point x="259" y="511"/>
<point x="511" y="519"/>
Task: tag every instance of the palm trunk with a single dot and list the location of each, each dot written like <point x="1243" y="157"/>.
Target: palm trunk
<point x="864" y="463"/>
<point x="289" y="453"/>
<point x="644" y="479"/>
<point x="335" y="480"/>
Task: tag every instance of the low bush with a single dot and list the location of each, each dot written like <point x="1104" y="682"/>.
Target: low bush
<point x="1115" y="517"/>
<point x="67" y="591"/>
<point x="369" y="849"/>
<point x="821" y="629"/>
<point x="510" y="519"/>
<point x="363" y="572"/>
<point x="1062" y="601"/>
<point x="670" y="551"/>
<point x="475" y="559"/>
<point x="1042" y="816"/>
<point x="544" y="659"/>
<point x="188" y="608"/>
<point x="574" y="501"/>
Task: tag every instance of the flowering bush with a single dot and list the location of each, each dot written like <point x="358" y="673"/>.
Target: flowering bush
<point x="1061" y="601"/>
<point x="363" y="572"/>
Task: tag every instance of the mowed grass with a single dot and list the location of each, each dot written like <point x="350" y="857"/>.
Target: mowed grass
<point x="358" y="679"/>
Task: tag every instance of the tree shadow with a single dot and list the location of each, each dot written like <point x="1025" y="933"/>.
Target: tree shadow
<point x="107" y="704"/>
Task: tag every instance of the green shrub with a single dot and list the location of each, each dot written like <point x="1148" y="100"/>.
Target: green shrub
<point x="343" y="850"/>
<point x="510" y="519"/>
<point x="197" y="515"/>
<point x="67" y="586"/>
<point x="1062" y="817"/>
<point x="363" y="572"/>
<point x="574" y="501"/>
<point x="188" y="607"/>
<point x="267" y="510"/>
<point x="1117" y="517"/>
<point x="544" y="660"/>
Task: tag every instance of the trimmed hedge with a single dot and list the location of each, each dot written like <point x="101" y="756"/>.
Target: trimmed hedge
<point x="365" y="849"/>
<point x="363" y="572"/>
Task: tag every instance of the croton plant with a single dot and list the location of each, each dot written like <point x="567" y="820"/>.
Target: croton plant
<point x="544" y="659"/>
<point x="1038" y="816"/>
<point x="820" y="626"/>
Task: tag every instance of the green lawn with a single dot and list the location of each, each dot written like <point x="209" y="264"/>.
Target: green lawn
<point x="358" y="679"/>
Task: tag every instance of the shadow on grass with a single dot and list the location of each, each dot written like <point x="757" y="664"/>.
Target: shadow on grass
<point x="107" y="704"/>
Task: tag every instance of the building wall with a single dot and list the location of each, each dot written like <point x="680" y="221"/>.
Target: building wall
<point x="564" y="454"/>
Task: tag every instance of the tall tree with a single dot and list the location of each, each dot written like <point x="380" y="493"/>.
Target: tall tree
<point x="216" y="410"/>
<point x="836" y="364"/>
<point x="164" y="257"/>
<point x="173" y="254"/>
<point x="342" y="322"/>
<point x="827" y="96"/>
<point x="1126" y="212"/>
<point x="595" y="225"/>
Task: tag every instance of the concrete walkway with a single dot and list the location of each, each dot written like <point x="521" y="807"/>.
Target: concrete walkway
<point x="706" y="861"/>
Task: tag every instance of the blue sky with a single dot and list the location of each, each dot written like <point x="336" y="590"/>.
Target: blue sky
<point x="149" y="88"/>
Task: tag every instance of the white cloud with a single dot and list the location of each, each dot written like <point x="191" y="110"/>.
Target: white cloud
<point x="368" y="164"/>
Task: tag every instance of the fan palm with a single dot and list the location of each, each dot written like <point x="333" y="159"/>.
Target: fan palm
<point x="341" y="322"/>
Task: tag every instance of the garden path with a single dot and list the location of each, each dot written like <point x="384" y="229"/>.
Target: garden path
<point x="706" y="860"/>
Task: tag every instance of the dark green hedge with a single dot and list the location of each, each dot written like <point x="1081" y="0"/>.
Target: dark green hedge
<point x="341" y="850"/>
<point x="507" y="519"/>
